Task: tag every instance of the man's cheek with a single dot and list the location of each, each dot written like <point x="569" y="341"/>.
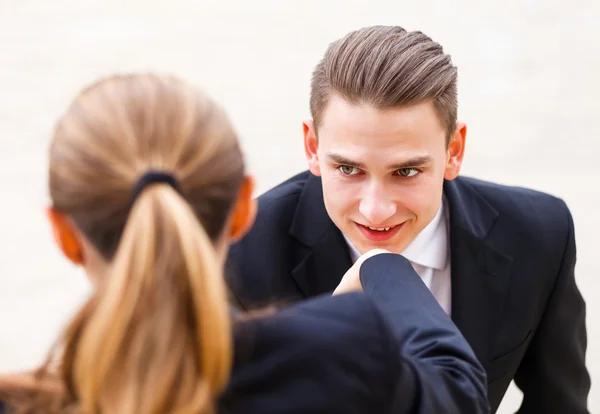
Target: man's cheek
<point x="339" y="188"/>
<point x="417" y="200"/>
<point x="339" y="203"/>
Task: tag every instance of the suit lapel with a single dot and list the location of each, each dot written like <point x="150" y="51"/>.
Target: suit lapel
<point x="323" y="256"/>
<point x="480" y="272"/>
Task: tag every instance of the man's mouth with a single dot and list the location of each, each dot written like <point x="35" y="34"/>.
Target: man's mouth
<point x="379" y="234"/>
<point x="380" y="228"/>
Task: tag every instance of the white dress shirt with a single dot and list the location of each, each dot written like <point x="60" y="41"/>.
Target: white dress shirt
<point x="429" y="255"/>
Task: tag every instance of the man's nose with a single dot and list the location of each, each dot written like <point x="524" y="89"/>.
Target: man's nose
<point x="376" y="206"/>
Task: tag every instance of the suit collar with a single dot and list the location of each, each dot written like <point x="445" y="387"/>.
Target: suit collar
<point x="311" y="220"/>
<point x="480" y="270"/>
<point x="323" y="257"/>
<point x="468" y="210"/>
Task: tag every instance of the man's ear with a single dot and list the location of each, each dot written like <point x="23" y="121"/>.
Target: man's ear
<point x="244" y="211"/>
<point x="311" y="145"/>
<point x="456" y="151"/>
<point x="65" y="236"/>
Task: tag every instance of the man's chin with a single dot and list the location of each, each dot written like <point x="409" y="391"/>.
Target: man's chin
<point x="395" y="245"/>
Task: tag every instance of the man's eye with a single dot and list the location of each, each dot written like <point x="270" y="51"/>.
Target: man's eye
<point x="348" y="170"/>
<point x="408" y="172"/>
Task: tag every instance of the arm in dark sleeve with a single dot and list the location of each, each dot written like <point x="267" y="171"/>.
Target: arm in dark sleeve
<point x="552" y="375"/>
<point x="436" y="370"/>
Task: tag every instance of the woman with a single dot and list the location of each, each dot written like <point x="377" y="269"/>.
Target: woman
<point x="148" y="188"/>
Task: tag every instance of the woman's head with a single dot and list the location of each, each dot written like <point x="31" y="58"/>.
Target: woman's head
<point x="155" y="336"/>
<point x="124" y="126"/>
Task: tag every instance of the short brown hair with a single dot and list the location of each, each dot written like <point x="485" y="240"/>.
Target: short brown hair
<point x="386" y="67"/>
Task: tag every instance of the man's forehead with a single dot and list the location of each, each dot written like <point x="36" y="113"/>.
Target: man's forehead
<point x="345" y="119"/>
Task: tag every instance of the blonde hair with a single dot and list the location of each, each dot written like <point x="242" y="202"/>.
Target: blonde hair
<point x="156" y="336"/>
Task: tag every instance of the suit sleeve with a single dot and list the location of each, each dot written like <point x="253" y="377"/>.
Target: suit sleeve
<point x="433" y="368"/>
<point x="552" y="375"/>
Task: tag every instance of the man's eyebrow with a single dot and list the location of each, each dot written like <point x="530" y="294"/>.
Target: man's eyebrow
<point x="340" y="159"/>
<point x="412" y="162"/>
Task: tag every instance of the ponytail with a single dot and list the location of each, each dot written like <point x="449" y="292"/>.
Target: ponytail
<point x="156" y="337"/>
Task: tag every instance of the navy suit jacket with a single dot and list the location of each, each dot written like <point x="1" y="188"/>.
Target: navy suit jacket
<point x="390" y="350"/>
<point x="514" y="295"/>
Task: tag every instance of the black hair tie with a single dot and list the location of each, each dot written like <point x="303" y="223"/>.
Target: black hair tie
<point x="153" y="177"/>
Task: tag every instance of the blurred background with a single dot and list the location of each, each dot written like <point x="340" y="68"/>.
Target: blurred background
<point x="528" y="88"/>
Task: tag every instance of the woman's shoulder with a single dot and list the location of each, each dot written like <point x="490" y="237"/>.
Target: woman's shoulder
<point x="331" y="327"/>
<point x="328" y="354"/>
<point x="351" y="314"/>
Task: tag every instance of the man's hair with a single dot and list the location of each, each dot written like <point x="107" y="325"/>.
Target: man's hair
<point x="386" y="67"/>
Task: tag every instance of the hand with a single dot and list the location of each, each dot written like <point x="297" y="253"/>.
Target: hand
<point x="351" y="280"/>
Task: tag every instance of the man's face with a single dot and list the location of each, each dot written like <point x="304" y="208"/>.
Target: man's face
<point x="382" y="170"/>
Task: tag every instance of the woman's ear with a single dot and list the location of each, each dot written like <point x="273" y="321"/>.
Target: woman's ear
<point x="244" y="211"/>
<point x="65" y="236"/>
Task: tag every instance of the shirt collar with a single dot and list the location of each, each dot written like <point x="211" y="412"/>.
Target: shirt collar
<point x="429" y="248"/>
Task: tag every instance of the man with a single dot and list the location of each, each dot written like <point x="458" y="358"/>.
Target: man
<point x="384" y="150"/>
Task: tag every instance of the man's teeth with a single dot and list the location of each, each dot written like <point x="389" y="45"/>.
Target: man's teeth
<point x="380" y="228"/>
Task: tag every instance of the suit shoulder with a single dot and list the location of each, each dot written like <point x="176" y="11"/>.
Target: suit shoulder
<point x="531" y="209"/>
<point x="355" y="307"/>
<point x="258" y="264"/>
<point x="328" y="326"/>
<point x="516" y="193"/>
<point x="290" y="188"/>
<point x="338" y="344"/>
<point x="276" y="207"/>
